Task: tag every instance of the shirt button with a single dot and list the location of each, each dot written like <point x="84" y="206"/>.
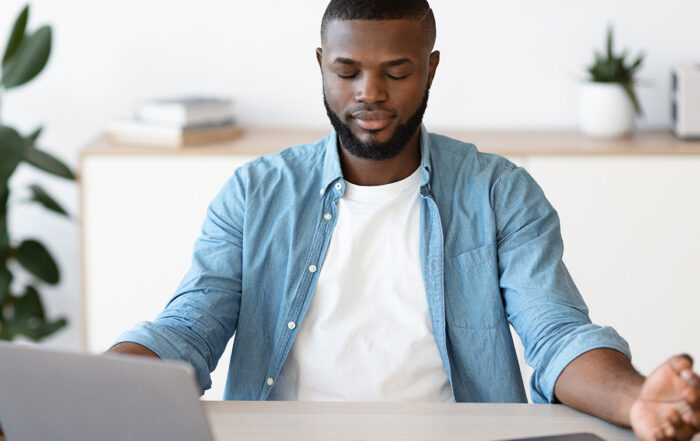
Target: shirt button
<point x="338" y="186"/>
<point x="270" y="381"/>
<point x="328" y="216"/>
<point x="291" y="325"/>
<point x="313" y="268"/>
<point x="322" y="191"/>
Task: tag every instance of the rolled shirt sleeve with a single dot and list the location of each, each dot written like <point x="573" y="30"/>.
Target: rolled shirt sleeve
<point x="201" y="317"/>
<point x="542" y="302"/>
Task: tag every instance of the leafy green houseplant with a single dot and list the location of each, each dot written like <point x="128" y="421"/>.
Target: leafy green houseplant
<point x="613" y="68"/>
<point x="21" y="311"/>
<point x="609" y="101"/>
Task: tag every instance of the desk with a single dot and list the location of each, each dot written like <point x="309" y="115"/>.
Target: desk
<point x="292" y="421"/>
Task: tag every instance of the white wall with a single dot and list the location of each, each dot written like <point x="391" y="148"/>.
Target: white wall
<point x="504" y="64"/>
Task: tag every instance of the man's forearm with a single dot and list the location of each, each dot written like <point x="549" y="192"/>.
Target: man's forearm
<point x="601" y="382"/>
<point x="132" y="349"/>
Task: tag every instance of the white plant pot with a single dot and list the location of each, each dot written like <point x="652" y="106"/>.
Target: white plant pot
<point x="605" y="110"/>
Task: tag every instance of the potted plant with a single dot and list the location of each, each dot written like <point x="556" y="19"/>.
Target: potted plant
<point x="608" y="102"/>
<point x="21" y="308"/>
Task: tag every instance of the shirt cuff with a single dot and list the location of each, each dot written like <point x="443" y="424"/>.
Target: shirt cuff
<point x="168" y="346"/>
<point x="598" y="338"/>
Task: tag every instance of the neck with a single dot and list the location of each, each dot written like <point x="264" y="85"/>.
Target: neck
<point x="368" y="172"/>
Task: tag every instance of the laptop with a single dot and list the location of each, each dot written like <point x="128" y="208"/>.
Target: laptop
<point x="66" y="396"/>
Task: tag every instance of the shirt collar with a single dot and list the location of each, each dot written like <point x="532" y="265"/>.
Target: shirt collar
<point x="425" y="166"/>
<point x="331" y="164"/>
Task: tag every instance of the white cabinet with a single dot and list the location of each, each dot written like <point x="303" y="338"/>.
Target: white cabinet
<point x="630" y="222"/>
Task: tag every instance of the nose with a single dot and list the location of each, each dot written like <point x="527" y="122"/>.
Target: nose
<point x="371" y="89"/>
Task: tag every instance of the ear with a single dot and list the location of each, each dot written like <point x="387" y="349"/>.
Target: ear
<point x="319" y="58"/>
<point x="432" y="66"/>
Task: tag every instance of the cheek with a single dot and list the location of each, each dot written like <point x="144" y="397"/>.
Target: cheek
<point x="408" y="98"/>
<point x="338" y="94"/>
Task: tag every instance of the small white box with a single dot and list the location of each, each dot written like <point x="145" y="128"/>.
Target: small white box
<point x="685" y="100"/>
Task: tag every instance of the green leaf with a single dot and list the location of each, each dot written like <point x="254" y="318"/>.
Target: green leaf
<point x="16" y="35"/>
<point x="31" y="139"/>
<point x="29" y="60"/>
<point x="5" y="333"/>
<point x="39" y="329"/>
<point x="48" y="328"/>
<point x="4" y="240"/>
<point x="637" y="63"/>
<point x="47" y="163"/>
<point x="39" y="195"/>
<point x="28" y="318"/>
<point x="613" y="68"/>
<point x="629" y="90"/>
<point x="11" y="153"/>
<point x="28" y="307"/>
<point x="5" y="282"/>
<point x="36" y="259"/>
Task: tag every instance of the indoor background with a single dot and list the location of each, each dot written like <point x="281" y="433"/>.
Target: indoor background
<point x="505" y="64"/>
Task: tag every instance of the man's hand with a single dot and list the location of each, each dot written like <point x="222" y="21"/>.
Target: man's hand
<point x="664" y="406"/>
<point x="668" y="406"/>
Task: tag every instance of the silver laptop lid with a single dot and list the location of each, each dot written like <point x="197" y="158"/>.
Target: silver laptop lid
<point x="64" y="396"/>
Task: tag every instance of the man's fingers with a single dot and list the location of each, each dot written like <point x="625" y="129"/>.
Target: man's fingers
<point x="680" y="429"/>
<point x="669" y="432"/>
<point x="659" y="434"/>
<point x="691" y="418"/>
<point x="691" y="378"/>
<point x="692" y="397"/>
<point x="676" y="421"/>
<point x="674" y="417"/>
<point x="681" y="362"/>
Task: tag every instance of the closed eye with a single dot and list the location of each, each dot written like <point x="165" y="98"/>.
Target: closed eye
<point x="397" y="77"/>
<point x="347" y="77"/>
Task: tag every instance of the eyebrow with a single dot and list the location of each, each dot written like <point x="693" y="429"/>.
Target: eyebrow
<point x="348" y="61"/>
<point x="391" y="63"/>
<point x="398" y="62"/>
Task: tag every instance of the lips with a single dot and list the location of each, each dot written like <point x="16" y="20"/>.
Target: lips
<point x="373" y="120"/>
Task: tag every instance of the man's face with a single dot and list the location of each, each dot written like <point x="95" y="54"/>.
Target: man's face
<point x="376" y="76"/>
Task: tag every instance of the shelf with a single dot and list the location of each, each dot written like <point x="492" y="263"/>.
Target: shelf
<point x="260" y="141"/>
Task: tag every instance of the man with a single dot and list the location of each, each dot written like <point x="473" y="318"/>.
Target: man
<point x="385" y="263"/>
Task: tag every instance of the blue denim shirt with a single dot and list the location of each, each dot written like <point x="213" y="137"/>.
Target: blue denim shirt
<point x="491" y="254"/>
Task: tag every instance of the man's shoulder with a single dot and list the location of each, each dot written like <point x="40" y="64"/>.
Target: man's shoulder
<point x="302" y="158"/>
<point x="466" y="156"/>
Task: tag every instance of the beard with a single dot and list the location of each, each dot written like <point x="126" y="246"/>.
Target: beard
<point x="375" y="150"/>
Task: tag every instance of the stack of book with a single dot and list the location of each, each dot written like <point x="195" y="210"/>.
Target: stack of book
<point x="177" y="122"/>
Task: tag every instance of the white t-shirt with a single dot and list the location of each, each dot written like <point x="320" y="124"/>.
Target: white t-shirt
<point x="367" y="335"/>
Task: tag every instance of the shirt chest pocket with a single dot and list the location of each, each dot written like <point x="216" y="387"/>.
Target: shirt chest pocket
<point x="472" y="291"/>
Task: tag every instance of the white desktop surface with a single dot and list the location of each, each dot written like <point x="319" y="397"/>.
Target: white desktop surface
<point x="297" y="421"/>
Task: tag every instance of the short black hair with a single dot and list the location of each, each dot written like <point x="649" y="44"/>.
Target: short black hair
<point x="382" y="10"/>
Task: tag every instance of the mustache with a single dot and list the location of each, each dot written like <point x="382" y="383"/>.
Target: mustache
<point x="368" y="107"/>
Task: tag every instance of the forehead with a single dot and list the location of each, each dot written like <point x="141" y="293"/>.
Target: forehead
<point x="367" y="39"/>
